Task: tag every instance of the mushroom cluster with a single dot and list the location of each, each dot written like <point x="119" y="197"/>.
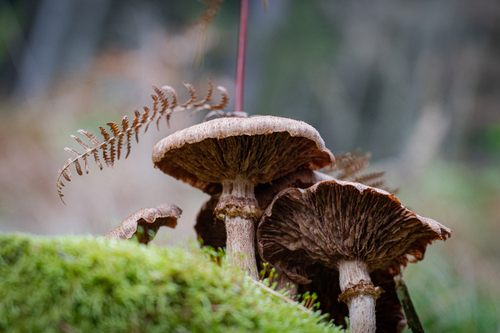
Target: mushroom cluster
<point x="343" y="240"/>
<point x="232" y="156"/>
<point x="313" y="278"/>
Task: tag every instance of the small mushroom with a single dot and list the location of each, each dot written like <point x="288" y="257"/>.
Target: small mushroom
<point x="232" y="156"/>
<point x="348" y="227"/>
<point x="150" y="220"/>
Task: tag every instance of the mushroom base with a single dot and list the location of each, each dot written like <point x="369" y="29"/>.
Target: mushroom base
<point x="359" y="295"/>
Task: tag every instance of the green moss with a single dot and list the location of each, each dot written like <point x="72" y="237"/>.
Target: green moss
<point x="84" y="284"/>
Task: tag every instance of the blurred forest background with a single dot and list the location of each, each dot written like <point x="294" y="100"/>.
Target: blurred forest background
<point x="416" y="83"/>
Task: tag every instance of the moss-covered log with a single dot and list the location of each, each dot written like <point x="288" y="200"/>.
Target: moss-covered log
<point x="81" y="284"/>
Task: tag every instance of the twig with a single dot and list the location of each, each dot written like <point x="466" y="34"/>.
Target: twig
<point x="410" y="313"/>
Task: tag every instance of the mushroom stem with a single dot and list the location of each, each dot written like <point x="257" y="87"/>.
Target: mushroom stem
<point x="240" y="244"/>
<point x="237" y="207"/>
<point x="359" y="295"/>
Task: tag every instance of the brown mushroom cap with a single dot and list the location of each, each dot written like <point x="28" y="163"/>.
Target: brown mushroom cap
<point x="335" y="220"/>
<point x="150" y="219"/>
<point x="261" y="148"/>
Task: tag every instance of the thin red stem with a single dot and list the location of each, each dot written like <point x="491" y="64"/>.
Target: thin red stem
<point x="240" y="65"/>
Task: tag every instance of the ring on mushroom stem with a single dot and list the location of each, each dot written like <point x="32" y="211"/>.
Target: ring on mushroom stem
<point x="349" y="227"/>
<point x="232" y="156"/>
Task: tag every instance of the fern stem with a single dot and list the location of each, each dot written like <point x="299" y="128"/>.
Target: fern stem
<point x="240" y="65"/>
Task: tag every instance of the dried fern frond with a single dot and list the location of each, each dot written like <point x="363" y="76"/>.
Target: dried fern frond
<point x="375" y="179"/>
<point x="350" y="167"/>
<point x="208" y="15"/>
<point x="118" y="137"/>
<point x="350" y="164"/>
<point x="206" y="18"/>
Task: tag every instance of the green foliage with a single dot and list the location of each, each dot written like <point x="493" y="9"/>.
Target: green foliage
<point x="446" y="302"/>
<point x="455" y="288"/>
<point x="96" y="285"/>
<point x="487" y="139"/>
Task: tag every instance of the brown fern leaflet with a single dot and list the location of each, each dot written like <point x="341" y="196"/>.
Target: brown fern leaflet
<point x="118" y="137"/>
<point x="350" y="166"/>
